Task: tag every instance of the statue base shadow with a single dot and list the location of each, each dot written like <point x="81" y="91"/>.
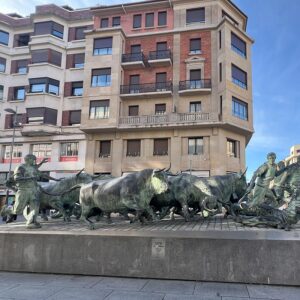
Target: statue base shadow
<point x="213" y="249"/>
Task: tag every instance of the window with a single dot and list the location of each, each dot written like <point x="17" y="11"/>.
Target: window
<point x="101" y="77"/>
<point x="160" y="147"/>
<point x="220" y="72"/>
<point x="79" y="33"/>
<point x="133" y="148"/>
<point x="220" y="39"/>
<point x="77" y="88"/>
<point x="21" y="67"/>
<point x="239" y="109"/>
<point x="232" y="148"/>
<point x="103" y="46"/>
<point x="1" y="92"/>
<point x="162" y="18"/>
<point x="69" y="149"/>
<point x="17" y="151"/>
<point x="41" y="115"/>
<point x="2" y="64"/>
<point x="161" y="79"/>
<point x="137" y="21"/>
<point x="195" y="15"/>
<point x="75" y="117"/>
<point x="195" y="146"/>
<point x="195" y="46"/>
<point x="19" y="93"/>
<point x="79" y="60"/>
<point x="22" y="40"/>
<point x="99" y="109"/>
<point x="195" y="107"/>
<point x="239" y="77"/>
<point x="134" y="82"/>
<point x="133" y="110"/>
<point x="238" y="45"/>
<point x="49" y="27"/>
<point x="105" y="148"/>
<point x="44" y="85"/>
<point x="160" y="109"/>
<point x="104" y="23"/>
<point x="4" y="37"/>
<point x="41" y="150"/>
<point x="135" y="49"/>
<point x="161" y="46"/>
<point x="149" y="22"/>
<point x="195" y="79"/>
<point x="46" y="56"/>
<point x="116" y="21"/>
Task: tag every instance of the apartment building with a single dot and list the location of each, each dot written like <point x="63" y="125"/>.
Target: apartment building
<point x="294" y="154"/>
<point x="120" y="88"/>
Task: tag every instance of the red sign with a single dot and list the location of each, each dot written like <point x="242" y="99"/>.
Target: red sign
<point x="68" y="158"/>
<point x="14" y="160"/>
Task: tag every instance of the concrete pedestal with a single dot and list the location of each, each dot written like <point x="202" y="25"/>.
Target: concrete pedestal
<point x="214" y="250"/>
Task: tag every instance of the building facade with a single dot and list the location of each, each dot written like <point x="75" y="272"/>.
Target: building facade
<point x="294" y="154"/>
<point x="116" y="89"/>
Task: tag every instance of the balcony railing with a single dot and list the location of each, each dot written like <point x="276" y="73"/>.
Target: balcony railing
<point x="162" y="54"/>
<point x="146" y="88"/>
<point x="167" y="119"/>
<point x="195" y="84"/>
<point x="133" y="57"/>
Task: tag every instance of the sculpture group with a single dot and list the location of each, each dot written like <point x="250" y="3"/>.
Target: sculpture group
<point x="272" y="198"/>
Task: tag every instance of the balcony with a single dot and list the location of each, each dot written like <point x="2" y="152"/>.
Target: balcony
<point x="133" y="60"/>
<point x="150" y="90"/>
<point x="160" y="58"/>
<point x="170" y="120"/>
<point x="192" y="87"/>
<point x="40" y="129"/>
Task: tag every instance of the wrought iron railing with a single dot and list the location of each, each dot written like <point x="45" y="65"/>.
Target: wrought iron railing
<point x="195" y="84"/>
<point x="146" y="88"/>
<point x="162" y="54"/>
<point x="133" y="57"/>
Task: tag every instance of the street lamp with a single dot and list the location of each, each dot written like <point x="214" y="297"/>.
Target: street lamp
<point x="14" y="112"/>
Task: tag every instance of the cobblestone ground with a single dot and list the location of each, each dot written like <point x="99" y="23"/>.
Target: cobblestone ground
<point x="47" y="286"/>
<point x="217" y="223"/>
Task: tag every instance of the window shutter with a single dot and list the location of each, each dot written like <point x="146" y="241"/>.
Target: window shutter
<point x="99" y="103"/>
<point x="160" y="108"/>
<point x="162" y="18"/>
<point x="133" y="147"/>
<point x="137" y="21"/>
<point x="195" y="44"/>
<point x="160" y="147"/>
<point x="75" y="117"/>
<point x="40" y="56"/>
<point x="79" y="58"/>
<point x="195" y="74"/>
<point x="99" y="72"/>
<point x="57" y="27"/>
<point x="135" y="49"/>
<point x="239" y="74"/>
<point x="149" y="20"/>
<point x="238" y="43"/>
<point x="42" y="28"/>
<point x="133" y="110"/>
<point x="105" y="148"/>
<point x="161" y="46"/>
<point x="161" y="77"/>
<point x="134" y="79"/>
<point x="55" y="57"/>
<point x="103" y="43"/>
<point x="195" y="15"/>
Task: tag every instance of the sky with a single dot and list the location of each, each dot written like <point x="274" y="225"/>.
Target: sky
<point x="274" y="25"/>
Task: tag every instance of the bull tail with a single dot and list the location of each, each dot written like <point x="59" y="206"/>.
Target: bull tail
<point x="77" y="186"/>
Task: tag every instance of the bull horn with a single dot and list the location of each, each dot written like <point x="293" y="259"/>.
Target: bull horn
<point x="167" y="170"/>
<point x="204" y="204"/>
<point x="244" y="173"/>
<point x="158" y="170"/>
<point x="79" y="172"/>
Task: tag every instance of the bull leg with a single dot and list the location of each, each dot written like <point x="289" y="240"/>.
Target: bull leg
<point x="44" y="214"/>
<point x="84" y="217"/>
<point x="109" y="221"/>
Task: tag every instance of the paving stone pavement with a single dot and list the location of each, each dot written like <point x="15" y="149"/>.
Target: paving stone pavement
<point x="25" y="286"/>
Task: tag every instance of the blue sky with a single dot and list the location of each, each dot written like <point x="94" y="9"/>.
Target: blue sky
<point x="274" y="25"/>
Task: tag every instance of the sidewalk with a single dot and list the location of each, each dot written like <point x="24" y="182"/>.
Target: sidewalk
<point x="47" y="286"/>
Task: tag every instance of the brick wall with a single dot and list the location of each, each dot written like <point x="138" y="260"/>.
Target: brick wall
<point x="205" y="48"/>
<point x="127" y="21"/>
<point x="65" y="118"/>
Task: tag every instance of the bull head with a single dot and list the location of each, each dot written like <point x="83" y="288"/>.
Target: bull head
<point x="78" y="174"/>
